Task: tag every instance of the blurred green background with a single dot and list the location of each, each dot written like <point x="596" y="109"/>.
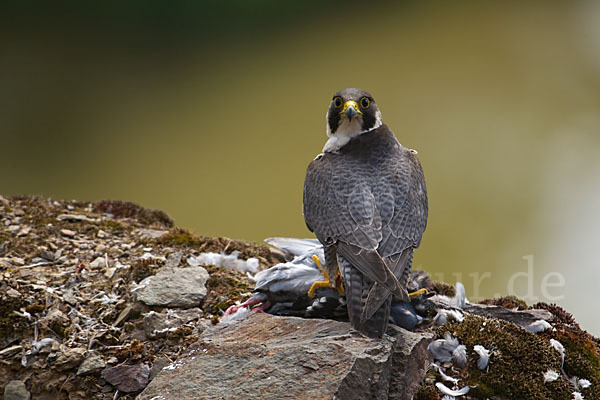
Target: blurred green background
<point x="212" y="112"/>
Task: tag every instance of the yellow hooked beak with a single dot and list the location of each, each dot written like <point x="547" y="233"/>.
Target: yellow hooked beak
<point x="350" y="109"/>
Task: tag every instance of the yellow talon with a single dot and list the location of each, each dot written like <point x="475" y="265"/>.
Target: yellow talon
<point x="418" y="292"/>
<point x="319" y="284"/>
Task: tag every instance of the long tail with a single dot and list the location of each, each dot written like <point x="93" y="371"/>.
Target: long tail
<point x="357" y="287"/>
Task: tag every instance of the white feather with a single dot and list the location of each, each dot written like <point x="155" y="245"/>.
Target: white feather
<point x="560" y="348"/>
<point x="538" y="326"/>
<point x="443" y="375"/>
<point x="484" y="356"/>
<point x="459" y="356"/>
<point x="550" y="376"/>
<point x="584" y="383"/>
<point x="449" y="392"/>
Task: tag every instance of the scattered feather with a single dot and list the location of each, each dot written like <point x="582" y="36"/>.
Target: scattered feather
<point x="459" y="356"/>
<point x="449" y="392"/>
<point x="560" y="348"/>
<point x="229" y="261"/>
<point x="444" y="316"/>
<point x="449" y="349"/>
<point x="443" y="374"/>
<point x="460" y="298"/>
<point x="484" y="356"/>
<point x="294" y="246"/>
<point x="239" y="315"/>
<point x="584" y="383"/>
<point x="36" y="347"/>
<point x="550" y="376"/>
<point x="538" y="326"/>
<point x="577" y="396"/>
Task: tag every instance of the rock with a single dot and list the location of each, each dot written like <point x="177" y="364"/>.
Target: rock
<point x="286" y="357"/>
<point x="91" y="364"/>
<point x="101" y="234"/>
<point x="149" y="233"/>
<point x="173" y="287"/>
<point x="75" y="218"/>
<point x="174" y="259"/>
<point x="16" y="390"/>
<point x="99" y="262"/>
<point x="15" y="294"/>
<point x="24" y="231"/>
<point x="68" y="233"/>
<point x="3" y="201"/>
<point x="123" y="316"/>
<point x="127" y="378"/>
<point x="17" y="261"/>
<point x="155" y="322"/>
<point x="158" y="366"/>
<point x="69" y="358"/>
<point x="47" y="255"/>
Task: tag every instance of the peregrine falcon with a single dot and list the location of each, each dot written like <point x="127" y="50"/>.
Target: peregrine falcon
<point x="366" y="201"/>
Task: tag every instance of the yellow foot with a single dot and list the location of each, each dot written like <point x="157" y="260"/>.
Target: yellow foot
<point x="418" y="292"/>
<point x="319" y="284"/>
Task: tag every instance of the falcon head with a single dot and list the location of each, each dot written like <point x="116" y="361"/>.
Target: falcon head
<point x="351" y="112"/>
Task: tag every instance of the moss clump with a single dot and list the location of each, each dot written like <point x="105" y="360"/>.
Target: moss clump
<point x="224" y="287"/>
<point x="126" y="209"/>
<point x="517" y="364"/>
<point x="560" y="315"/>
<point x="427" y="392"/>
<point x="113" y="226"/>
<point x="142" y="269"/>
<point x="582" y="350"/>
<point x="178" y="237"/>
<point x="510" y="302"/>
<point x="10" y="323"/>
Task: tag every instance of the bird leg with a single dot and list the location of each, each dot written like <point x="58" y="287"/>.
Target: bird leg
<point x="337" y="283"/>
<point x="419" y="292"/>
<point x="261" y="309"/>
<point x="252" y="301"/>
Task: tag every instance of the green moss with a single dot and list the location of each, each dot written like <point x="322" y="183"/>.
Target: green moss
<point x="517" y="364"/>
<point x="179" y="237"/>
<point x="113" y="226"/>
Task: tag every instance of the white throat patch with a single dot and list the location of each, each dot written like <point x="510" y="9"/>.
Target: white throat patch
<point x="346" y="131"/>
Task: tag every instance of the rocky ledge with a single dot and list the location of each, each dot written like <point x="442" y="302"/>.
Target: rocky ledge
<point x="109" y="300"/>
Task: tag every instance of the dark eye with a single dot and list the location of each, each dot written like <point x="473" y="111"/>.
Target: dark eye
<point x="337" y="102"/>
<point x="364" y="102"/>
